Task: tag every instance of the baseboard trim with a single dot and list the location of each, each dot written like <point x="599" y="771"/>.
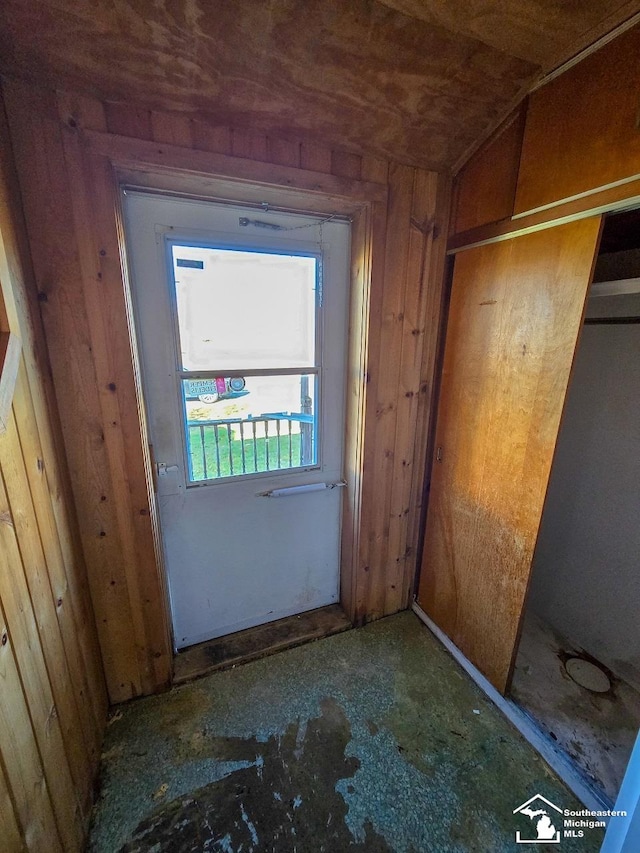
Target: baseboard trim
<point x="556" y="759"/>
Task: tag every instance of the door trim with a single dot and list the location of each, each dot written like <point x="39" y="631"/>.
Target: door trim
<point x="114" y="162"/>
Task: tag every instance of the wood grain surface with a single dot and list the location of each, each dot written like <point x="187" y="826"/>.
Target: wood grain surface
<point x="515" y="315"/>
<point x="65" y="145"/>
<point x="415" y="81"/>
<point x="582" y="128"/>
<point x="52" y="692"/>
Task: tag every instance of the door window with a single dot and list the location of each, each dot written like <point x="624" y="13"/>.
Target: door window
<point x="247" y="344"/>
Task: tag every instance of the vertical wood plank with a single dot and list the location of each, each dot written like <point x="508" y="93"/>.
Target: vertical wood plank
<point x="106" y="315"/>
<point x="421" y="229"/>
<point x="128" y="120"/>
<point x="315" y="157"/>
<point x="435" y="286"/>
<point x="375" y="169"/>
<point x="73" y="611"/>
<point x="356" y="398"/>
<point x="211" y="137"/>
<point x="49" y="212"/>
<point x="22" y="628"/>
<point x="55" y="636"/>
<point x="384" y="378"/>
<point x="19" y="757"/>
<point x="284" y="152"/>
<point x="75" y="723"/>
<point x="345" y="165"/>
<point x="81" y="111"/>
<point x="246" y="143"/>
<point x="172" y="128"/>
<point x="36" y="410"/>
<point x="10" y="830"/>
<point x="149" y="601"/>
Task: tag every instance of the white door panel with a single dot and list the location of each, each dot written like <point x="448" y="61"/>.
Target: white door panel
<point x="235" y="558"/>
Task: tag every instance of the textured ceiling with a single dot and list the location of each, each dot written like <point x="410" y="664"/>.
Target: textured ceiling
<point x="415" y="80"/>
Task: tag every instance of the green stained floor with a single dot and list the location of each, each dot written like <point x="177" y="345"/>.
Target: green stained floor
<point x="372" y="740"/>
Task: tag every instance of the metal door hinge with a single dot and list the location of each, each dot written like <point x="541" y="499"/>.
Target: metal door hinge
<point x="439" y="454"/>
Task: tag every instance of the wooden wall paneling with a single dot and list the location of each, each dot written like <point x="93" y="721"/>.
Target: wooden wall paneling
<point x="285" y="152"/>
<point x="485" y="187"/>
<point x="367" y="237"/>
<point x="91" y="180"/>
<point x="374" y="169"/>
<point x="128" y="120"/>
<point x="373" y="266"/>
<point x="12" y="839"/>
<point x="74" y="616"/>
<point x="173" y="128"/>
<point x="315" y="157"/>
<point x="210" y="137"/>
<point x="247" y="143"/>
<point x="75" y="723"/>
<point x="10" y="350"/>
<point x="79" y="272"/>
<point x="65" y="566"/>
<point x="155" y="587"/>
<point x="149" y="598"/>
<point x="582" y="127"/>
<point x="19" y="756"/>
<point x="48" y="208"/>
<point x="434" y="284"/>
<point x="515" y="315"/>
<point x="346" y="164"/>
<point x="22" y="627"/>
<point x="35" y="415"/>
<point x="51" y="632"/>
<point x="384" y="369"/>
<point x="401" y="551"/>
<point x="81" y="111"/>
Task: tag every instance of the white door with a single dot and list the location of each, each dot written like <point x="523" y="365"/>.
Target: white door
<point x="241" y="317"/>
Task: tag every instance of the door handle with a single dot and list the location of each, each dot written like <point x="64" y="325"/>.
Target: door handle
<point x="298" y="490"/>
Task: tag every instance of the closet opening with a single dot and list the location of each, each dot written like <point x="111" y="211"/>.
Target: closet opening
<point x="577" y="671"/>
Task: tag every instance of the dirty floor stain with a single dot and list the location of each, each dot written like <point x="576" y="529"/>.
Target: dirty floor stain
<point x="271" y="802"/>
<point x="373" y="740"/>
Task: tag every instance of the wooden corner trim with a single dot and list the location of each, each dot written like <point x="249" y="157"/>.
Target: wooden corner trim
<point x="10" y="351"/>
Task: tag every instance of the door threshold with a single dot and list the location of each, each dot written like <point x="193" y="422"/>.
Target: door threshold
<point x="253" y="643"/>
<point x="559" y="762"/>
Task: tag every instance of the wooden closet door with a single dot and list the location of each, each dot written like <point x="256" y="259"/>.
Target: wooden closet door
<point x="515" y="317"/>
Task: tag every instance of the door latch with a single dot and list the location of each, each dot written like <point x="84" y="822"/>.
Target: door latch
<point x="439" y="454"/>
<point x="163" y="469"/>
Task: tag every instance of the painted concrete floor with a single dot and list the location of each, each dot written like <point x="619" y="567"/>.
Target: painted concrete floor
<point x="372" y="740"/>
<point x="597" y="730"/>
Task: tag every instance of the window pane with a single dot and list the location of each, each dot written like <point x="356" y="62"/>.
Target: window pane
<point x="238" y="426"/>
<point x="239" y="310"/>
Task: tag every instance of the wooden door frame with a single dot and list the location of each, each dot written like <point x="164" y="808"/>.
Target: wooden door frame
<point x="110" y="162"/>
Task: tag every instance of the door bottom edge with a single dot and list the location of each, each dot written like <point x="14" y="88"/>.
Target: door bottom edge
<point x="259" y="641"/>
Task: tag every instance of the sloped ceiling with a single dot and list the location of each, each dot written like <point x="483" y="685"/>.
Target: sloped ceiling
<point x="414" y="80"/>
